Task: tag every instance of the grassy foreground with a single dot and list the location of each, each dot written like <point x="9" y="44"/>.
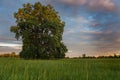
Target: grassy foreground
<point x="67" y="69"/>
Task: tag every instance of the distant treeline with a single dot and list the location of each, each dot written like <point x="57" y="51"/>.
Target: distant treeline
<point x="13" y="54"/>
<point x="114" y="56"/>
<point x="93" y="57"/>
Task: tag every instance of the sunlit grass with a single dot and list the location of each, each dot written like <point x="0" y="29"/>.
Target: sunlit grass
<point x="66" y="69"/>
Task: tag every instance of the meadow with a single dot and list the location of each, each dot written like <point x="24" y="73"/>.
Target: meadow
<point x="65" y="69"/>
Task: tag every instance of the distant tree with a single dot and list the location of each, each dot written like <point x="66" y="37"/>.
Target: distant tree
<point x="41" y="30"/>
<point x="115" y="56"/>
<point x="13" y="54"/>
<point x="84" y="55"/>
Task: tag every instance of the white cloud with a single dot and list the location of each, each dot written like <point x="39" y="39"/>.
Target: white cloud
<point x="10" y="47"/>
<point x="9" y="44"/>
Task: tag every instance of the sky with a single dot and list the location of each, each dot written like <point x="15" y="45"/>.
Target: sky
<point x="92" y="26"/>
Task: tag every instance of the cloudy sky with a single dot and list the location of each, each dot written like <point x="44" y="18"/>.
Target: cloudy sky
<point x="92" y="26"/>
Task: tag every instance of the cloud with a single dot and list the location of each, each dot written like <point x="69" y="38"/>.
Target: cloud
<point x="108" y="5"/>
<point x="9" y="44"/>
<point x="4" y="38"/>
<point x="81" y="20"/>
<point x="102" y="4"/>
<point x="74" y="2"/>
<point x="10" y="47"/>
<point x="108" y="26"/>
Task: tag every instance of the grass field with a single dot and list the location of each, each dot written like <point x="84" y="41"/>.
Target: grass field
<point x="66" y="69"/>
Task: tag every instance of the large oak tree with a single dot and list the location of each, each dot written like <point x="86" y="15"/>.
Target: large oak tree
<point x="41" y="30"/>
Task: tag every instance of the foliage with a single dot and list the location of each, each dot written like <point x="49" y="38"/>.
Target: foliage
<point x="67" y="69"/>
<point x="41" y="30"/>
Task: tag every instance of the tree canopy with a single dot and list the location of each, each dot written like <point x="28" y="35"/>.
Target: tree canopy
<point x="41" y="30"/>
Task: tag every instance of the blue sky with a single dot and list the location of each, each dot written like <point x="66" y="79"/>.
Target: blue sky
<point x="92" y="26"/>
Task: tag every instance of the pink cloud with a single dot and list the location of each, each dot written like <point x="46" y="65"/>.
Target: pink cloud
<point x="101" y="4"/>
<point x="93" y="4"/>
<point x="74" y="2"/>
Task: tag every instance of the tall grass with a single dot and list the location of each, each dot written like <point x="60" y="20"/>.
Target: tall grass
<point x="66" y="69"/>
